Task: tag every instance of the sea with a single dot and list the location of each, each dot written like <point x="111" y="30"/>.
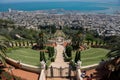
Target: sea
<point x="85" y="7"/>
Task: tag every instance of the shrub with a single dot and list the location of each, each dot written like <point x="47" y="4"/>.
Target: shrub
<point x="66" y="57"/>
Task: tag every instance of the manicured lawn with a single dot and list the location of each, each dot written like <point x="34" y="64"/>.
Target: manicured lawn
<point x="29" y="56"/>
<point x="92" y="55"/>
<point x="26" y="55"/>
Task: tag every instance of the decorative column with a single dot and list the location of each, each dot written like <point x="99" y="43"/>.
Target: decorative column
<point x="42" y="74"/>
<point x="78" y="70"/>
<point x="79" y="64"/>
<point x="42" y="64"/>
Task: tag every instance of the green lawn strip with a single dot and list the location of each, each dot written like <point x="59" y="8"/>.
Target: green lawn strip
<point x="93" y="51"/>
<point x="92" y="55"/>
<point x="26" y="55"/>
<point x="92" y="60"/>
<point x="25" y="59"/>
<point x="89" y="63"/>
<point x="26" y="51"/>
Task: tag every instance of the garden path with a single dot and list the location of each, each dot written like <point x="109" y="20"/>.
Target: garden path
<point x="59" y="60"/>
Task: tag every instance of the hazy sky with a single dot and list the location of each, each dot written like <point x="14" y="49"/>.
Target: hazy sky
<point x="8" y="1"/>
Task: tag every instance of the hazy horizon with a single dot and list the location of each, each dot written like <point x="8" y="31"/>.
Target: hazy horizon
<point x="101" y="1"/>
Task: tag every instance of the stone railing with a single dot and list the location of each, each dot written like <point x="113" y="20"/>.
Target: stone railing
<point x="89" y="67"/>
<point x="23" y="66"/>
<point x="27" y="67"/>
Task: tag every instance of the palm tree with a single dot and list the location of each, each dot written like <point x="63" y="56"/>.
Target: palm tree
<point x="115" y="51"/>
<point x="2" y="52"/>
<point x="114" y="65"/>
<point x="77" y="40"/>
<point x="41" y="40"/>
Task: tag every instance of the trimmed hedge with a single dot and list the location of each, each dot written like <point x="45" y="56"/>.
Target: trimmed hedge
<point x="66" y="58"/>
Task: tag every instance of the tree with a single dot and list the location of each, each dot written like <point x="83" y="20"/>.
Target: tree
<point x="69" y="50"/>
<point x="41" y="40"/>
<point x="51" y="51"/>
<point x="77" y="40"/>
<point x="114" y="64"/>
<point x="115" y="50"/>
<point x="3" y="49"/>
<point x="42" y="56"/>
<point x="78" y="56"/>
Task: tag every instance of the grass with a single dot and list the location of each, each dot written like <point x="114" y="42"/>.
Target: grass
<point x="29" y="56"/>
<point x="26" y="55"/>
<point x="92" y="55"/>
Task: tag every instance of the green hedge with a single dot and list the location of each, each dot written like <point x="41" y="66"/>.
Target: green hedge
<point x="66" y="58"/>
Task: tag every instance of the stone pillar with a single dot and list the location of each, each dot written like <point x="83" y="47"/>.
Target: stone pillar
<point x="42" y="64"/>
<point x="78" y="70"/>
<point x="79" y="64"/>
<point x="42" y="74"/>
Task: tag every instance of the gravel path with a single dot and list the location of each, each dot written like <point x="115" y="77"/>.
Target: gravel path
<point x="59" y="61"/>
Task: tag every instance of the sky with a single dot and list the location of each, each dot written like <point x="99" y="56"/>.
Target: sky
<point x="10" y="1"/>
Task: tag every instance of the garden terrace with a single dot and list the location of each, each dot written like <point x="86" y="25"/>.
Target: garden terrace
<point x="26" y="55"/>
<point x="32" y="57"/>
<point x="91" y="56"/>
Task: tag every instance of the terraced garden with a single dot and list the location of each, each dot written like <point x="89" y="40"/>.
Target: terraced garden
<point x="29" y="56"/>
<point x="26" y="55"/>
<point x="92" y="55"/>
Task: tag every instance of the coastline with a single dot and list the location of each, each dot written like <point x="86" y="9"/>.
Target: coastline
<point x="83" y="7"/>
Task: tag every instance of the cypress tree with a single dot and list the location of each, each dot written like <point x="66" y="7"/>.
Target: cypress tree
<point x="77" y="56"/>
<point x="69" y="51"/>
<point x="41" y="56"/>
<point x="27" y="43"/>
<point x="16" y="44"/>
<point x="50" y="51"/>
<point x="31" y="43"/>
<point x="44" y="58"/>
<point x="19" y="43"/>
<point x="23" y="43"/>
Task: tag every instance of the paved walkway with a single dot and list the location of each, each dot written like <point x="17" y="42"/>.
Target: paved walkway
<point x="59" y="61"/>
